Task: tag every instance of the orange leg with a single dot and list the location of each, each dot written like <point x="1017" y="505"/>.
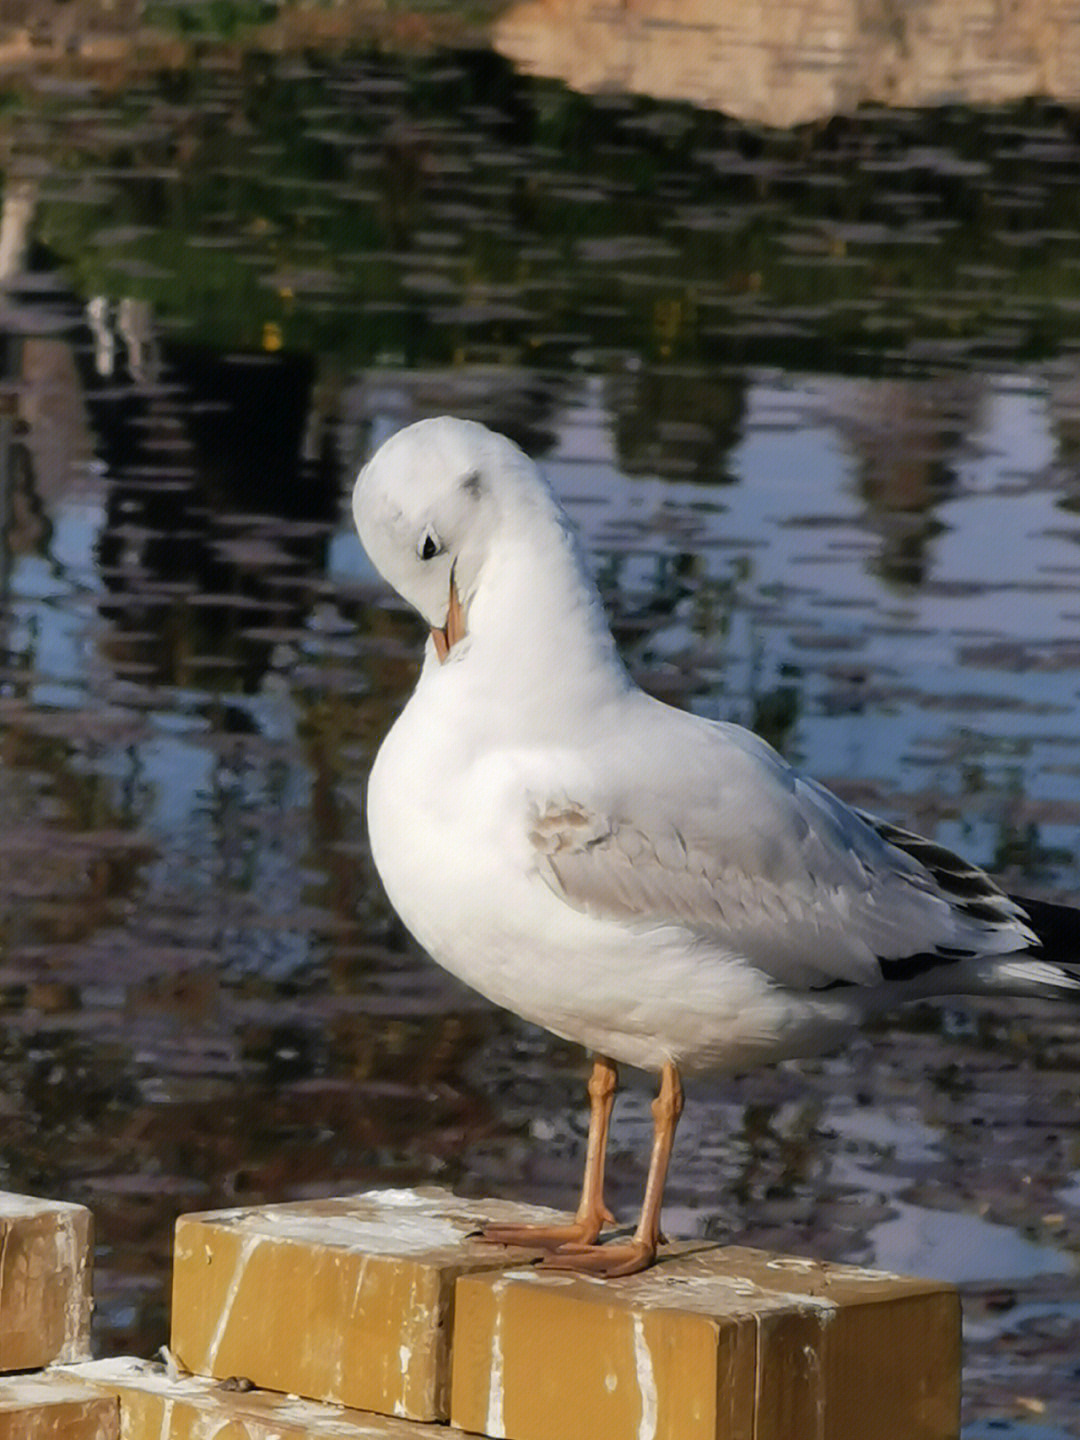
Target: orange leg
<point x="627" y="1257"/>
<point x="592" y="1212"/>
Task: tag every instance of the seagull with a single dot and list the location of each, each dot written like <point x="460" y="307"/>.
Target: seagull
<point x="663" y="889"/>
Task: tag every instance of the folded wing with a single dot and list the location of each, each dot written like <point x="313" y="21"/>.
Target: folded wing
<point x="720" y="837"/>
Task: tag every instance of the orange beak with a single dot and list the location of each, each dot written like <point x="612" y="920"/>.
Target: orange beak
<point x="454" y="629"/>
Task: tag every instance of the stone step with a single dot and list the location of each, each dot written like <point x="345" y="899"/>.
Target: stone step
<point x="45" y="1270"/>
<point x="389" y="1302"/>
<point x="53" y="1406"/>
<point x="713" y="1343"/>
<point x="137" y="1400"/>
<point x="345" y="1300"/>
<point x="388" y="1314"/>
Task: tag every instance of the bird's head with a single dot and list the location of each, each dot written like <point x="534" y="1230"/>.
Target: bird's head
<point x="427" y="506"/>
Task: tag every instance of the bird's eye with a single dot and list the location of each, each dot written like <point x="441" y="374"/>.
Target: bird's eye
<point x="429" y="546"/>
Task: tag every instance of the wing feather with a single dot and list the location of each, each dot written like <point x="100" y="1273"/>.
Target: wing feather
<point x="732" y="845"/>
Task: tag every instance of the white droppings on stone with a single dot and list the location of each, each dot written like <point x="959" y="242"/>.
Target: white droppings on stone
<point x="24" y="1207"/>
<point x="354" y="1310"/>
<point x="808" y="1267"/>
<point x="740" y="1285"/>
<point x="71" y="1259"/>
<point x="120" y="1367"/>
<point x="495" y="1424"/>
<point x="611" y="1381"/>
<point x="646" y="1378"/>
<point x="548" y="1278"/>
<point x="225" y="1217"/>
<point x="211" y="1426"/>
<point x="379" y="1222"/>
<point x="405" y="1198"/>
<point x="402" y="1235"/>
<point x="826" y="1308"/>
<point x="37" y="1388"/>
<point x="247" y="1247"/>
<point x="700" y="1293"/>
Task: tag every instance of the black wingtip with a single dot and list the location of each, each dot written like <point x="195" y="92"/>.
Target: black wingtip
<point x="1057" y="927"/>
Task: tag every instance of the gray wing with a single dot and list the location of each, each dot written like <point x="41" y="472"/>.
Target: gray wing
<point x="719" y="836"/>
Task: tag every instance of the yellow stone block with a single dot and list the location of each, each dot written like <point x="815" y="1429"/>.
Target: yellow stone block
<point x="48" y="1407"/>
<point x="45" y="1268"/>
<point x="347" y="1300"/>
<point x="154" y="1407"/>
<point x="711" y="1344"/>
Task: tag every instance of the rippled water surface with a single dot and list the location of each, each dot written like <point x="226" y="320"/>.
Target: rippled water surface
<point x="814" y="399"/>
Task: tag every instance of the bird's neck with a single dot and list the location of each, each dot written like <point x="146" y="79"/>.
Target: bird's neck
<point x="537" y="628"/>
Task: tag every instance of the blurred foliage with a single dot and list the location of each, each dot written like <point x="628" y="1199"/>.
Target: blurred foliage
<point x="221" y="19"/>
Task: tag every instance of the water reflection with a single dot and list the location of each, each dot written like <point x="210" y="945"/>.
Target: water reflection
<point x="812" y="400"/>
<point x="792" y="63"/>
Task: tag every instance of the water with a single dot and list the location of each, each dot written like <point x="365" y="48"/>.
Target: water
<point x="813" y="397"/>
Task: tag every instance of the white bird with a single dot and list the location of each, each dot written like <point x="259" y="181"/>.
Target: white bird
<point x="663" y="889"/>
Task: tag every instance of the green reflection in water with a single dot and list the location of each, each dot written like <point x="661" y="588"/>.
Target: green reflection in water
<point x="419" y="211"/>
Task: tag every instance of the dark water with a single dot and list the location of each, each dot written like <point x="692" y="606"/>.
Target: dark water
<point x="814" y="398"/>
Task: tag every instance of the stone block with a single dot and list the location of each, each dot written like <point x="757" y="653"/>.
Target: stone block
<point x="346" y="1300"/>
<point x="153" y="1406"/>
<point x="711" y="1344"/>
<point x="45" y="1270"/>
<point x="50" y="1407"/>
